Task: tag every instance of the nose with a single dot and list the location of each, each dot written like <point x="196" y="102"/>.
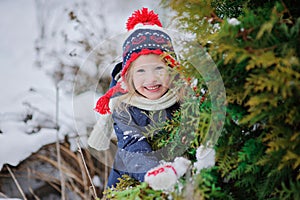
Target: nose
<point x="151" y="77"/>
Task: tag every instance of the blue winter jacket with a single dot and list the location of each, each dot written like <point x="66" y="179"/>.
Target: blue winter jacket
<point x="134" y="156"/>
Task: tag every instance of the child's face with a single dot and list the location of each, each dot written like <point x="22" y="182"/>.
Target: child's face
<point x="150" y="76"/>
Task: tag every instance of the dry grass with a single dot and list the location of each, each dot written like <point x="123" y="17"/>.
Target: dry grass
<point x="78" y="168"/>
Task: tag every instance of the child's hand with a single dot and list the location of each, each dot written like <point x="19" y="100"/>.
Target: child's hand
<point x="205" y="158"/>
<point x="165" y="176"/>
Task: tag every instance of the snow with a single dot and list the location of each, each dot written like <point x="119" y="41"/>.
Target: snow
<point x="97" y="182"/>
<point x="18" y="76"/>
<point x="10" y="199"/>
<point x="127" y="132"/>
<point x="233" y="21"/>
<point x="28" y="114"/>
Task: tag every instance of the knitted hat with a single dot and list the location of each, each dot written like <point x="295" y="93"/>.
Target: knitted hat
<point x="146" y="36"/>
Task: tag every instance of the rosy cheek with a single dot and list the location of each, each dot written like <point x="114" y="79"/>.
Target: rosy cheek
<point x="138" y="81"/>
<point x="165" y="79"/>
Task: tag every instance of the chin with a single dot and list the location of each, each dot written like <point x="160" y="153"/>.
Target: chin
<point x="154" y="97"/>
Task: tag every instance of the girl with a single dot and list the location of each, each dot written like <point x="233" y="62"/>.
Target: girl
<point x="141" y="96"/>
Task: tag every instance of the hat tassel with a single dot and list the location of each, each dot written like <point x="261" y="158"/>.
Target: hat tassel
<point x="102" y="105"/>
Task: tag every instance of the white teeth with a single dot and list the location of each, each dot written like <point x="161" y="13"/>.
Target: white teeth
<point x="152" y="88"/>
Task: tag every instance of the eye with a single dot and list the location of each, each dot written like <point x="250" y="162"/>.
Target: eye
<point x="159" y="67"/>
<point x="140" y="70"/>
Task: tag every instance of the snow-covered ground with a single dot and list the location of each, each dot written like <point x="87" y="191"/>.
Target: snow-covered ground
<point x="28" y="95"/>
<point x="18" y="77"/>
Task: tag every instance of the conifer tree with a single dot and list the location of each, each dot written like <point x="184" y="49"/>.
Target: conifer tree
<point x="256" y="47"/>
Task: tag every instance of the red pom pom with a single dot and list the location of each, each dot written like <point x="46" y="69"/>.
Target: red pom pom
<point x="142" y="16"/>
<point x="102" y="105"/>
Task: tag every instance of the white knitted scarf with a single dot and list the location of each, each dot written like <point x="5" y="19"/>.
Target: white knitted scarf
<point x="143" y="103"/>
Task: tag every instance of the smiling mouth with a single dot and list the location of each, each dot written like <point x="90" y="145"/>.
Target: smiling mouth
<point x="152" y="88"/>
